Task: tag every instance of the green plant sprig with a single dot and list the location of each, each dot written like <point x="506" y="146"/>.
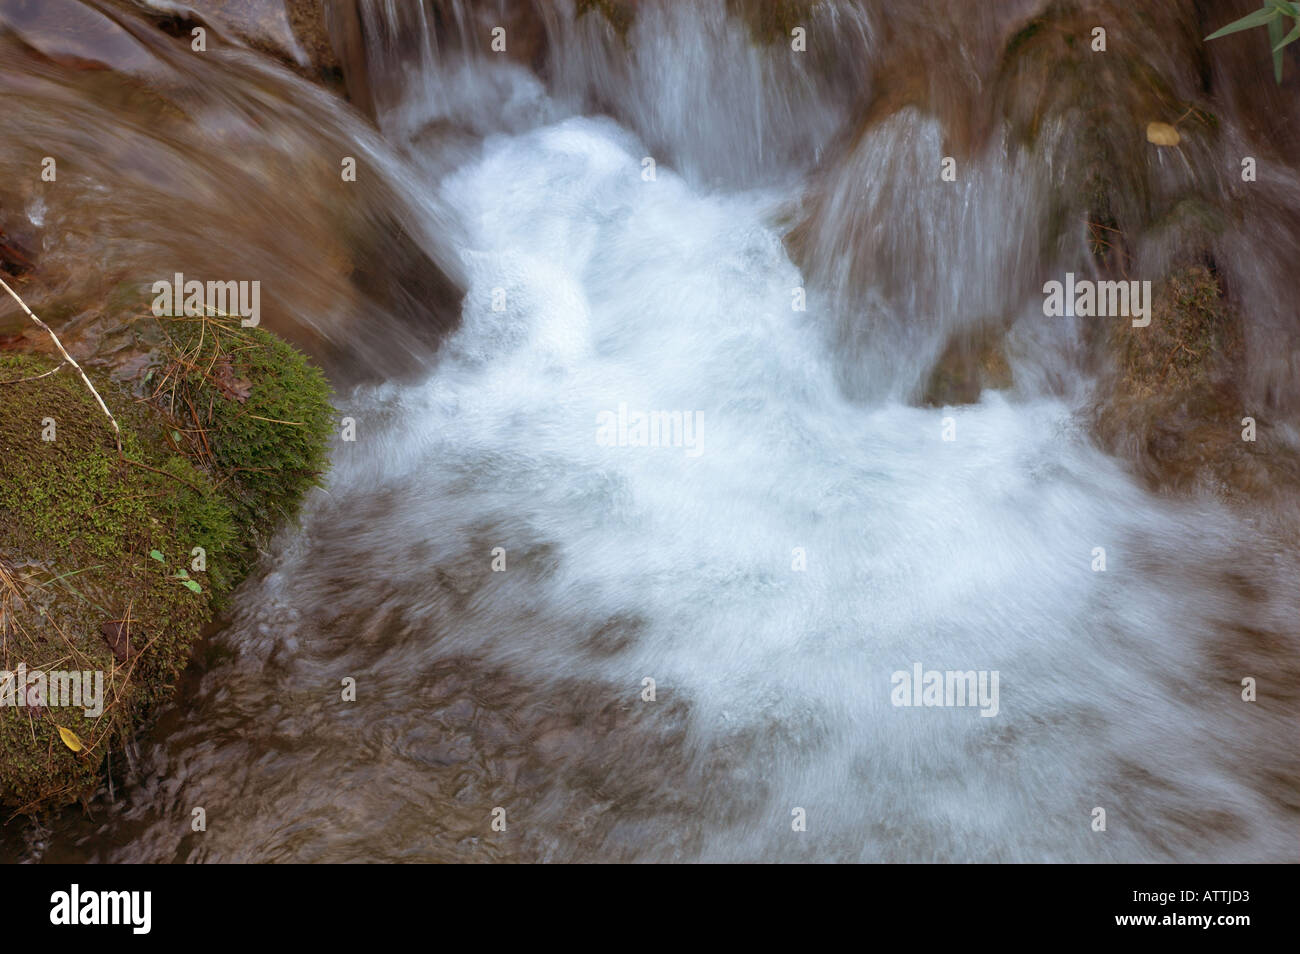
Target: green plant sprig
<point x="1270" y="15"/>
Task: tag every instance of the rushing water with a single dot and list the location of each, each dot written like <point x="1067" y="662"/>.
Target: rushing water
<point x="819" y="535"/>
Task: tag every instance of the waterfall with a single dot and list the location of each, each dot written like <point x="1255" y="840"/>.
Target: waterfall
<point x="640" y="551"/>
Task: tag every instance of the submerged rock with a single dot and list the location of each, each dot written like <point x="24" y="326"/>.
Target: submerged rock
<point x="970" y="365"/>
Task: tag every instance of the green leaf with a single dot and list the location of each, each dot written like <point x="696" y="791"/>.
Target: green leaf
<point x="182" y="575"/>
<point x="157" y="556"/>
<point x="1258" y="18"/>
<point x="193" y="586"/>
<point x="1290" y="37"/>
<point x="176" y="436"/>
<point x="1275" y="41"/>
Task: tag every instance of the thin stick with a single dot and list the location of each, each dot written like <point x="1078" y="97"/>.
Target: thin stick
<point x="36" y="377"/>
<point x="117" y="433"/>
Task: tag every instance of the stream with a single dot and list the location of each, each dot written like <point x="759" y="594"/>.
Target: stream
<point x="502" y="556"/>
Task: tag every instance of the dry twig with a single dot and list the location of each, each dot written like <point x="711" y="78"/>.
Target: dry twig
<point x="117" y="433"/>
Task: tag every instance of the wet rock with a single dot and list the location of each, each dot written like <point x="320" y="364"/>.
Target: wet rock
<point x="15" y="255"/>
<point x="375" y="44"/>
<point x="74" y="35"/>
<point x="293" y="31"/>
<point x="971" y="364"/>
<point x="149" y="190"/>
<point x="620" y="14"/>
<point x="1171" y="403"/>
<point x="343" y="25"/>
<point x="771" y="21"/>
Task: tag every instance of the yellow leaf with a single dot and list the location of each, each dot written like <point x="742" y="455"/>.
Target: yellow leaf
<point x="69" y="738"/>
<point x="1163" y="134"/>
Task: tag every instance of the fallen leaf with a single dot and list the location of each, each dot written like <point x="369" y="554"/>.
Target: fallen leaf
<point x="1163" y="134"/>
<point x="232" y="388"/>
<point x="34" y="702"/>
<point x="115" y="634"/>
<point x="70" y="739"/>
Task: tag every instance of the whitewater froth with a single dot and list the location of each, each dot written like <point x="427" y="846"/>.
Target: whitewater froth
<point x="967" y="554"/>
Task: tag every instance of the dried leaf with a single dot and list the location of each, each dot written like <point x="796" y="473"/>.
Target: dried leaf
<point x="70" y="739"/>
<point x="231" y="388"/>
<point x="115" y="634"/>
<point x="34" y="702"/>
<point x="1163" y="134"/>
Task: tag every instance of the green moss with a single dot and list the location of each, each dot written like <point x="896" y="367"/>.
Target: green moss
<point x="254" y="410"/>
<point x="79" y="525"/>
<point x="221" y="452"/>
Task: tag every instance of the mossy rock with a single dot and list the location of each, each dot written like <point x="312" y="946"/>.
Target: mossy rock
<point x="252" y="410"/>
<point x="79" y="525"/>
<point x="1170" y="403"/>
<point x="1193" y="342"/>
<point x="98" y="564"/>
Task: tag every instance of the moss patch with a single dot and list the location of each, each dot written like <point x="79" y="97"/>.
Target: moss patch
<point x="249" y="408"/>
<point x="114" y="565"/>
<point x="1193" y="342"/>
<point x="79" y="524"/>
